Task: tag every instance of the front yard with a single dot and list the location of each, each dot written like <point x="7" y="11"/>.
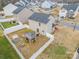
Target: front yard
<point x="6" y="50"/>
<point x="64" y="46"/>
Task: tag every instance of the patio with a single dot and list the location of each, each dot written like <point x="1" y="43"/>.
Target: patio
<point x="25" y="47"/>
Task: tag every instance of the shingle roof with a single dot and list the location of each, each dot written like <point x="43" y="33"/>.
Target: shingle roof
<point x="30" y="35"/>
<point x="40" y="17"/>
<point x="70" y="7"/>
<point x="25" y="2"/>
<point x="19" y="9"/>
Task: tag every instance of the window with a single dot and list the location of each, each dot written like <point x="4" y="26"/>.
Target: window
<point x="37" y="30"/>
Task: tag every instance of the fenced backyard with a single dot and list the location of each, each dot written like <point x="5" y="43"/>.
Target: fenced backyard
<point x="26" y="48"/>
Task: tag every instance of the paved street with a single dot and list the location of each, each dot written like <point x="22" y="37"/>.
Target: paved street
<point x="71" y="25"/>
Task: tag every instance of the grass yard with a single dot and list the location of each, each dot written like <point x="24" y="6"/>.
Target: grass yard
<point x="8" y="24"/>
<point x="54" y="52"/>
<point x="6" y="50"/>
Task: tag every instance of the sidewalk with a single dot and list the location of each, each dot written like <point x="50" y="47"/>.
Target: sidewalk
<point x="7" y="20"/>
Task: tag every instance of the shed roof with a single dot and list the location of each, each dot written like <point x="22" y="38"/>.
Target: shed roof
<point x="40" y="17"/>
<point x="30" y="35"/>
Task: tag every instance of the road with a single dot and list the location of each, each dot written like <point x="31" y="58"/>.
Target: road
<point x="71" y="25"/>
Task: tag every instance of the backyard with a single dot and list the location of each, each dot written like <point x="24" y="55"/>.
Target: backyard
<point x="25" y="47"/>
<point x="64" y="46"/>
<point x="6" y="50"/>
<point x="8" y="24"/>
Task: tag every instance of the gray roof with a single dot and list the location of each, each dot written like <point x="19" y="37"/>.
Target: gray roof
<point x="19" y="9"/>
<point x="70" y="7"/>
<point x="40" y="17"/>
<point x="25" y="2"/>
<point x="30" y="35"/>
<point x="29" y="0"/>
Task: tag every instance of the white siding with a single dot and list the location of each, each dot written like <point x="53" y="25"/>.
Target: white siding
<point x="43" y="27"/>
<point x="34" y="25"/>
<point x="49" y="25"/>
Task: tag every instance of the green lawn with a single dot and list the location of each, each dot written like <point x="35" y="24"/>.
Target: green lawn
<point x="6" y="50"/>
<point x="8" y="24"/>
<point x="55" y="52"/>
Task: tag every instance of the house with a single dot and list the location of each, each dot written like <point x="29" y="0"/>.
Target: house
<point x="22" y="14"/>
<point x="71" y="9"/>
<point x="41" y="23"/>
<point x="8" y="9"/>
<point x="46" y="4"/>
<point x="23" y="2"/>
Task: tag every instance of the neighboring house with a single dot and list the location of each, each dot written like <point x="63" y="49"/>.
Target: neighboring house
<point x="46" y="4"/>
<point x="22" y="14"/>
<point x="72" y="9"/>
<point x="23" y="2"/>
<point x="62" y="13"/>
<point x="8" y="9"/>
<point x="41" y="23"/>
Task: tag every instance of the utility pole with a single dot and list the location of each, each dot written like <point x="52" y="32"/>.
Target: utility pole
<point x="74" y="26"/>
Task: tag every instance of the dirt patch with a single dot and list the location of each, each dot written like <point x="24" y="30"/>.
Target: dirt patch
<point x="68" y="38"/>
<point x="65" y="38"/>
